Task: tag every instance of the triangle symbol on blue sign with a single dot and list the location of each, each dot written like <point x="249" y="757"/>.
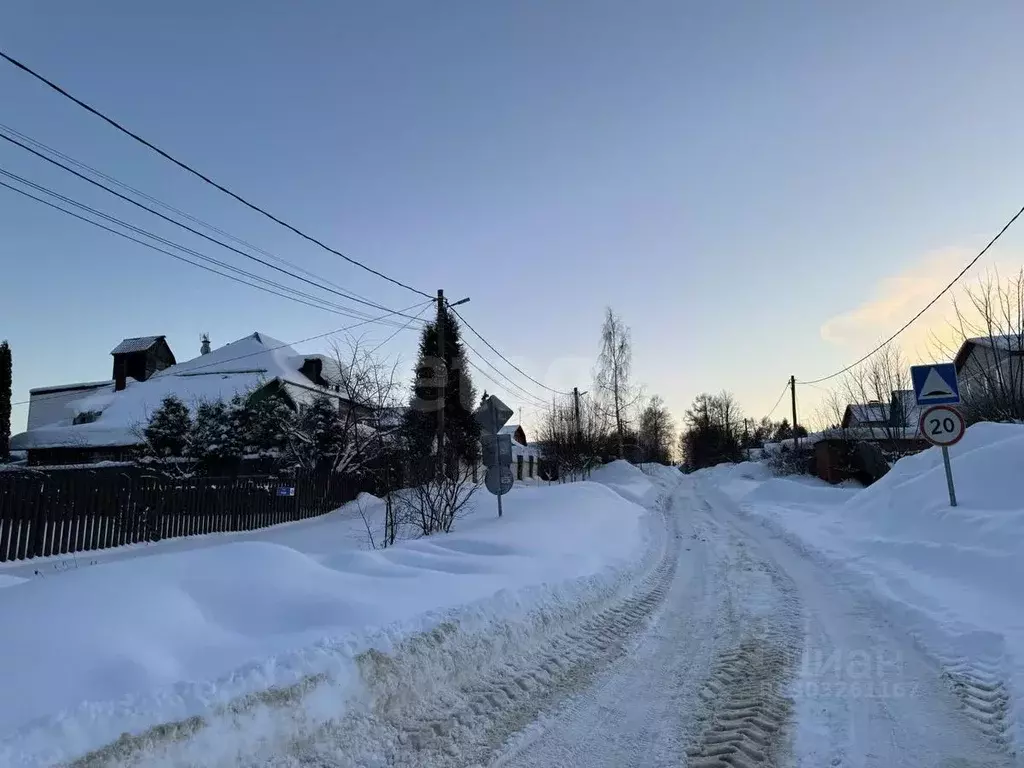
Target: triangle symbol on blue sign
<point x="935" y="386"/>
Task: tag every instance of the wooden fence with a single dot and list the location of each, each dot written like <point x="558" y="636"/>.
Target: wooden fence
<point x="66" y="512"/>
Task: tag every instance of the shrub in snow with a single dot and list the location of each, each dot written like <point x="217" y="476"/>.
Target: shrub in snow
<point x="168" y="428"/>
<point x="315" y="436"/>
<point x="259" y="425"/>
<point x="211" y="440"/>
<point x="792" y="462"/>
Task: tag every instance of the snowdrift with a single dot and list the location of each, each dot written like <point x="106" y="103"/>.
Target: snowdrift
<point x="951" y="576"/>
<point x="629" y="481"/>
<point x="148" y="638"/>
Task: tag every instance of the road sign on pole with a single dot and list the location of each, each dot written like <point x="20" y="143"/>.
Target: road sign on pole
<point x="935" y="384"/>
<point x="499" y="457"/>
<point x="499" y="480"/>
<point x="491" y="416"/>
<point x="943" y="425"/>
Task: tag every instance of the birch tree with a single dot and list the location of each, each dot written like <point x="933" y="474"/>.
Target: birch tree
<point x="614" y="373"/>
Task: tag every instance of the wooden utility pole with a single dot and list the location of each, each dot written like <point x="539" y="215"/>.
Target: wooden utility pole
<point x="443" y="383"/>
<point x="792" y="392"/>
<point x="576" y="407"/>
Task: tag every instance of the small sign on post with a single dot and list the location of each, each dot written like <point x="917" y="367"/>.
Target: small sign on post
<point x="936" y="388"/>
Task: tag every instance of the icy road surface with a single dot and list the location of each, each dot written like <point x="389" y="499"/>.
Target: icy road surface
<point x="727" y="647"/>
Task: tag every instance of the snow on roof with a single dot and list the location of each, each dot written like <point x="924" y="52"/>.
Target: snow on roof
<point x="864" y="412"/>
<point x="70" y="387"/>
<point x="1011" y="342"/>
<point x="135" y="344"/>
<point x="236" y="368"/>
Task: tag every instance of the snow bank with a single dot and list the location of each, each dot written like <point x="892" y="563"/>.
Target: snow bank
<point x="627" y="480"/>
<point x="951" y="576"/>
<point x="131" y="643"/>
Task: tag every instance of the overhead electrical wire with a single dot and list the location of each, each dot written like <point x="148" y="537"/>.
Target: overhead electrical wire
<point x="168" y="207"/>
<point x="186" y="227"/>
<point x="509" y="362"/>
<point x="780" y="396"/>
<point x="184" y="166"/>
<point x="282" y="346"/>
<point x="927" y="306"/>
<point x="497" y="383"/>
<point x="403" y="327"/>
<point x="320" y="303"/>
<point x="511" y="384"/>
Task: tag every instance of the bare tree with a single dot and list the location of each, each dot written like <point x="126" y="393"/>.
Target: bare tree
<point x="370" y="386"/>
<point x="435" y="505"/>
<point x="655" y="433"/>
<point x="879" y="389"/>
<point x="574" y="445"/>
<point x="614" y="373"/>
<point x="991" y="318"/>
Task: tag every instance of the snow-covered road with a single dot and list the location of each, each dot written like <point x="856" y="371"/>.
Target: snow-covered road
<point x="757" y="657"/>
<point x="726" y="645"/>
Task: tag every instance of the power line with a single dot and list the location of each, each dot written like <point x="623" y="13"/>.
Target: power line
<point x="193" y="230"/>
<point x="279" y="346"/>
<point x="168" y="207"/>
<point x="520" y="390"/>
<point x="497" y="383"/>
<point x="927" y="306"/>
<point x="402" y="328"/>
<point x="320" y="303"/>
<point x="184" y="166"/>
<point x="510" y="363"/>
<point x="782" y="394"/>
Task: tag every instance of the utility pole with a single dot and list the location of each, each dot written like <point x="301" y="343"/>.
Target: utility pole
<point x="443" y="380"/>
<point x="576" y="407"/>
<point x="792" y="392"/>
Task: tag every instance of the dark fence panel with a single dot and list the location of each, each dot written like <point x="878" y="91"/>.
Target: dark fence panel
<point x="43" y="514"/>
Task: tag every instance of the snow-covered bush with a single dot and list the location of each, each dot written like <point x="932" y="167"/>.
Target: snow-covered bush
<point x="168" y="428"/>
<point x="211" y="440"/>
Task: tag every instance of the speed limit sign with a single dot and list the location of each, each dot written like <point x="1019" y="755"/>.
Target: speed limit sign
<point x="942" y="425"/>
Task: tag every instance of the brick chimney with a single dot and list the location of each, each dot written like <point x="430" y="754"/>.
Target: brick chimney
<point x="120" y="374"/>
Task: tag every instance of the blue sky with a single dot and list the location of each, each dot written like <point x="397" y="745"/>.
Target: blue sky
<point x="733" y="178"/>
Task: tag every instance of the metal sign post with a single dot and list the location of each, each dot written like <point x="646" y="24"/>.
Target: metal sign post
<point x="943" y="425"/>
<point x="949" y="477"/>
<point x="497" y="451"/>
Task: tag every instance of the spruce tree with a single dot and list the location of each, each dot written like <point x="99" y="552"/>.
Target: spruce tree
<point x="6" y="375"/>
<point x="211" y="440"/>
<point x="168" y="428"/>
<point x="462" y="434"/>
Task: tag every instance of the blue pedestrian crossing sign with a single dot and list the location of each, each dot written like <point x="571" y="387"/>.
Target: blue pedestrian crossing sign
<point x="935" y="384"/>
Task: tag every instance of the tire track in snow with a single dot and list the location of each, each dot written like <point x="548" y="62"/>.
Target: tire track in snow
<point x="747" y="708"/>
<point x="466" y="723"/>
<point x="746" y="716"/>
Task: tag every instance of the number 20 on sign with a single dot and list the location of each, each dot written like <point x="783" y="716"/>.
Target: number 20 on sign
<point x="943" y="425"/>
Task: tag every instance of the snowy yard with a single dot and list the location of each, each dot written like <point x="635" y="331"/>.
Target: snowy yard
<point x="147" y="635"/>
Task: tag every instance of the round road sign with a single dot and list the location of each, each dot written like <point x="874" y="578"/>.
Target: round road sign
<point x="942" y="425"/>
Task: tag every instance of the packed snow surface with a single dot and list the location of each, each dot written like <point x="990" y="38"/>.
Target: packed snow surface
<point x="142" y="636"/>
<point x="950" y="575"/>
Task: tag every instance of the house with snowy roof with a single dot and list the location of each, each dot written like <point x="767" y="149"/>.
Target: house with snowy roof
<point x="103" y="420"/>
<point x="525" y="457"/>
<point x="873" y="414"/>
<point x="988" y="366"/>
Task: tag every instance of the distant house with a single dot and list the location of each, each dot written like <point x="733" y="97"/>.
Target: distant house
<point x="93" y="421"/>
<point x="872" y="414"/>
<point x="991" y="365"/>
